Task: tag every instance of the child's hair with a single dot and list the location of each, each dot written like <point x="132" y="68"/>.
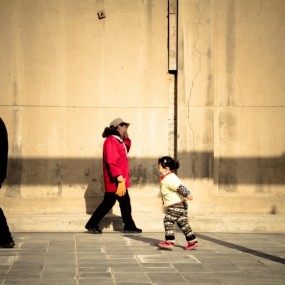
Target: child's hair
<point x="167" y="161"/>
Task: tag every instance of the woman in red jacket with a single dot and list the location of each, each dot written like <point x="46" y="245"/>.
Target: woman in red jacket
<point x="115" y="169"/>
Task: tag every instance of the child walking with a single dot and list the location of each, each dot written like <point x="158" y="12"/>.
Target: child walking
<point x="174" y="196"/>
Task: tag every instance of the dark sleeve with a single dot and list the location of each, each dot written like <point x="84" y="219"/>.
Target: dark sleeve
<point x="3" y="151"/>
<point x="182" y="190"/>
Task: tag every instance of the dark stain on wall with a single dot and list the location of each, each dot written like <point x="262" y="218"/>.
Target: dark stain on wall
<point x="230" y="47"/>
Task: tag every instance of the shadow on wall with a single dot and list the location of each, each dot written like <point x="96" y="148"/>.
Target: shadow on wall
<point x="195" y="165"/>
<point x="52" y="171"/>
<point x="233" y="170"/>
<point x="226" y="172"/>
<point x="56" y="172"/>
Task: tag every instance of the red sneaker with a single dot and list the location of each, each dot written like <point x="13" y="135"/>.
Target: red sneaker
<point x="166" y="244"/>
<point x="191" y="245"/>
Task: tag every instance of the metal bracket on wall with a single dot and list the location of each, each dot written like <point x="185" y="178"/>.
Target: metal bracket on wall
<point x="101" y="15"/>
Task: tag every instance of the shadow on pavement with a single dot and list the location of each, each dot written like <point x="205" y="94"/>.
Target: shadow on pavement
<point x="243" y="249"/>
<point x="148" y="240"/>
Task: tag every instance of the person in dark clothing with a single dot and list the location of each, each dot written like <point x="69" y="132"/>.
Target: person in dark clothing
<point x="6" y="239"/>
<point x="116" y="170"/>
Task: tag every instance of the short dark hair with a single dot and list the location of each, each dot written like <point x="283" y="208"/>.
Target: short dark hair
<point x="167" y="161"/>
<point x="110" y="131"/>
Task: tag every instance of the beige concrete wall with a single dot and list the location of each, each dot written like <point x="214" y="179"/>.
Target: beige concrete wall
<point x="65" y="74"/>
<point x="231" y="105"/>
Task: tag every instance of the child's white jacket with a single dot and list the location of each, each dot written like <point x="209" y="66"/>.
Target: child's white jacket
<point x="169" y="184"/>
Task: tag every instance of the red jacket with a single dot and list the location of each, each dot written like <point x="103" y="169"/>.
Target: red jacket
<point x="115" y="162"/>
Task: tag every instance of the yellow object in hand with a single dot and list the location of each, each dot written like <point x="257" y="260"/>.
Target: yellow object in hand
<point x="121" y="189"/>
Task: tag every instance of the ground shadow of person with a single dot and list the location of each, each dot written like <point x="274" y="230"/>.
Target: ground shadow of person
<point x="143" y="238"/>
<point x="149" y="240"/>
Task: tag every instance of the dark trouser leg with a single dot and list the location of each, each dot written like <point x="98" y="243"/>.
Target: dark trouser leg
<point x="126" y="211"/>
<point x="5" y="234"/>
<point x="101" y="211"/>
<point x="183" y="224"/>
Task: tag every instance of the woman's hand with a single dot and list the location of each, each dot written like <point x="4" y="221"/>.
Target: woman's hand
<point x="126" y="135"/>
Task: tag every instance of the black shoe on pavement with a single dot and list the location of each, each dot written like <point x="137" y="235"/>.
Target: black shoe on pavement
<point x="9" y="243"/>
<point x="133" y="231"/>
<point x="95" y="230"/>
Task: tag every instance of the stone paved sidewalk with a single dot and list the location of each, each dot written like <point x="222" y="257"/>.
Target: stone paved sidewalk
<point x="132" y="259"/>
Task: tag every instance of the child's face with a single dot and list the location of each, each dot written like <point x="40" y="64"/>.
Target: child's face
<point x="161" y="169"/>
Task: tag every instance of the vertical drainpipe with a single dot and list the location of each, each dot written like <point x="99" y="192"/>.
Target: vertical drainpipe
<point x="172" y="69"/>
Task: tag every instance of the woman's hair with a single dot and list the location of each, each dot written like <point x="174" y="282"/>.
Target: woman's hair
<point x="167" y="161"/>
<point x="108" y="131"/>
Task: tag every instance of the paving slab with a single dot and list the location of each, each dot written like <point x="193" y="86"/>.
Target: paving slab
<point x="115" y="258"/>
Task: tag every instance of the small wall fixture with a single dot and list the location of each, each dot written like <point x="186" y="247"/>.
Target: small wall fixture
<point x="101" y="15"/>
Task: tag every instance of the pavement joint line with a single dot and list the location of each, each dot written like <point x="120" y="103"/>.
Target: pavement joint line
<point x="76" y="263"/>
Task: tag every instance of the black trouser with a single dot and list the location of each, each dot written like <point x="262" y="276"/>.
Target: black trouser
<point x="107" y="204"/>
<point x="5" y="234"/>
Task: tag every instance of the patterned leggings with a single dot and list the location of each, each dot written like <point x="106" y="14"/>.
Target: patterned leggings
<point x="178" y="213"/>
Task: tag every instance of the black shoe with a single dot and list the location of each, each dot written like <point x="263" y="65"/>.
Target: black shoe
<point x="9" y="244"/>
<point x="133" y="231"/>
<point x="95" y="230"/>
